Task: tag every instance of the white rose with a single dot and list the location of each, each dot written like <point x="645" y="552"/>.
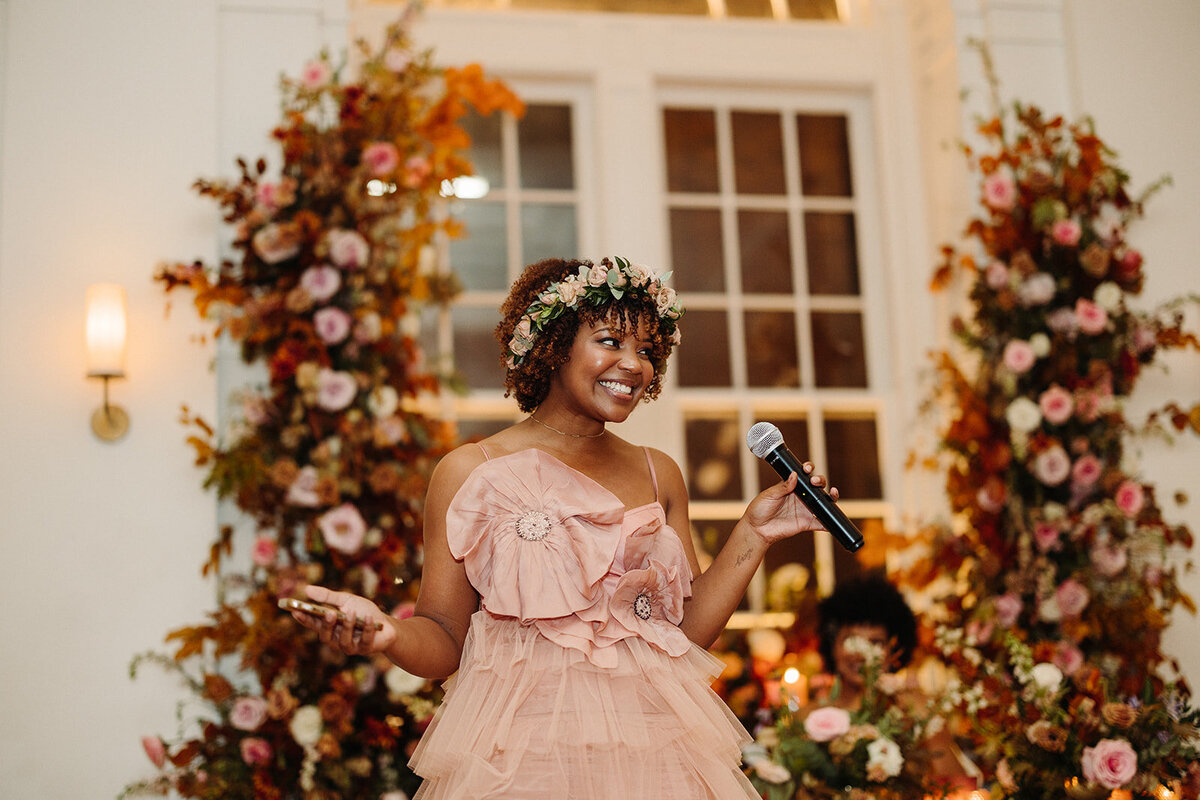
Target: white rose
<point x="1023" y="415"/>
<point x="400" y="683"/>
<point x="1040" y="343"/>
<point x="771" y="772"/>
<point x="1046" y="676"/>
<point x="383" y="401"/>
<point x="885" y="755"/>
<point x="1108" y="296"/>
<point x="1048" y="609"/>
<point x="306" y="725"/>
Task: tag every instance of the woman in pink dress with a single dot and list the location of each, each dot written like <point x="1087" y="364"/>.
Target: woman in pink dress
<point x="560" y="589"/>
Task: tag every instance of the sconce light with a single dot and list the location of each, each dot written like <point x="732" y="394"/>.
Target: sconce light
<point x="106" y="354"/>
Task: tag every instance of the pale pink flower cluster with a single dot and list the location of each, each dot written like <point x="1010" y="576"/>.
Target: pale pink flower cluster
<point x="416" y="170"/>
<point x="332" y="324"/>
<point x="1066" y="232"/>
<point x="265" y="550"/>
<point x="1037" y="290"/>
<point x="321" y="283"/>
<point x="827" y="723"/>
<point x="335" y="389"/>
<point x="347" y="249"/>
<point x="381" y="158"/>
<point x="1056" y="404"/>
<point x="1086" y="471"/>
<point x="1008" y="608"/>
<point x="249" y="713"/>
<point x="996" y="275"/>
<point x="275" y="242"/>
<point x="1072" y="597"/>
<point x="1091" y="318"/>
<point x="256" y="750"/>
<point x="1052" y="465"/>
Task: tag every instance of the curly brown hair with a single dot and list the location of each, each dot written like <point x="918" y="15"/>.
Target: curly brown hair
<point x="529" y="381"/>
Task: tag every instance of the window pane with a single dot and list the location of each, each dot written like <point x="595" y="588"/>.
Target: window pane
<point x="757" y="153"/>
<point x="476" y="353"/>
<point x="792" y="550"/>
<point x="765" y="249"/>
<point x="813" y="9"/>
<point x="485" y="146"/>
<point x="824" y="155"/>
<point x="697" y="254"/>
<point x="832" y="253"/>
<point x="691" y="141"/>
<point x="478" y="258"/>
<point x="692" y="7"/>
<point x="795" y="436"/>
<point x="853" y="452"/>
<point x="547" y="231"/>
<point x="838" y="355"/>
<point x="713" y="533"/>
<point x="771" y="355"/>
<point x="748" y="8"/>
<point x="703" y="358"/>
<point x="713" y="470"/>
<point x="544" y="140"/>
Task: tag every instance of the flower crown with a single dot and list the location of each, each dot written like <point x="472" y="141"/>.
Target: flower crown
<point x="595" y="284"/>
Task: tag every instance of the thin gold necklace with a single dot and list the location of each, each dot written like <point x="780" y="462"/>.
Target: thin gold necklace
<point x="572" y="435"/>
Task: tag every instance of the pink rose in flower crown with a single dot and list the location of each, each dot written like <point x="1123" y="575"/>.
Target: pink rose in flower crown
<point x="1130" y="498"/>
<point x="996" y="275"/>
<point x="248" y="713"/>
<point x="1056" y="404"/>
<point x="335" y="389"/>
<point x="1008" y="608"/>
<point x="1086" y="471"/>
<point x="381" y="158"/>
<point x="1072" y="597"/>
<point x="316" y="74"/>
<point x="156" y="751"/>
<point x="265" y="550"/>
<point x="1066" y="232"/>
<point x="827" y="723"/>
<point x="1019" y="356"/>
<point x="332" y="324"/>
<point x="343" y="528"/>
<point x="597" y="275"/>
<point x="999" y="191"/>
<point x="1112" y="763"/>
<point x="1047" y="537"/>
<point x="256" y="750"/>
<point x="1052" y="465"/>
<point x="347" y="249"/>
<point x="1092" y="318"/>
<point x="321" y="282"/>
<point x="1109" y="559"/>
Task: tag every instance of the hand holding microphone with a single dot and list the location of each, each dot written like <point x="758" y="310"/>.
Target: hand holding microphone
<point x="766" y="442"/>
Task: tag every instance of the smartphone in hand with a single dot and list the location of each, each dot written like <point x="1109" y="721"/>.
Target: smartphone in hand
<point x="318" y="610"/>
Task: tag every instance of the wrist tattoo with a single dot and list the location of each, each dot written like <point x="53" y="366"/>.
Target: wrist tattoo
<point x="744" y="557"/>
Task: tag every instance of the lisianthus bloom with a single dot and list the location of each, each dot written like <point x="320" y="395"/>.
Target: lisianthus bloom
<point x="884" y="760"/>
<point x="256" y="750"/>
<point x="381" y="158"/>
<point x="1066" y="232"/>
<point x="306" y="725"/>
<point x="999" y="191"/>
<point x="248" y="713"/>
<point x="1112" y="763"/>
<point x="1092" y="318"/>
<point x="1046" y="677"/>
<point x="343" y="528"/>
<point x="1130" y="497"/>
<point x="1018" y="356"/>
<point x="321" y="282"/>
<point x="1023" y="415"/>
<point x="826" y="723"/>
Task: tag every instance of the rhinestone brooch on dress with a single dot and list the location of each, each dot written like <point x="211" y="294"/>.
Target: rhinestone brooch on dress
<point x="642" y="607"/>
<point x="533" y="526"/>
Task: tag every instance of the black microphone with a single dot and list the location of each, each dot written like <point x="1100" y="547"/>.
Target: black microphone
<point x="766" y="442"/>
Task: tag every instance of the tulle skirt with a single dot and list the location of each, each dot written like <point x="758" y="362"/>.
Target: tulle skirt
<point x="527" y="719"/>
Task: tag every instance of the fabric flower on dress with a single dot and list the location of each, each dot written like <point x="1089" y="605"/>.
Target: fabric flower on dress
<point x="658" y="541"/>
<point x="536" y="537"/>
<point x="649" y="603"/>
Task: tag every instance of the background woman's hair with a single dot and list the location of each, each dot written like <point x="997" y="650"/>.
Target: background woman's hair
<point x="868" y="599"/>
<point x="529" y="381"/>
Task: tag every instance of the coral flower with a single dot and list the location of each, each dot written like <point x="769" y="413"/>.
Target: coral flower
<point x="1066" y="232"/>
<point x="1130" y="497"/>
<point x="343" y="528"/>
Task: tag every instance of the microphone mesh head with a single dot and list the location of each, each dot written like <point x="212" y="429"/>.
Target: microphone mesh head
<point x="762" y="438"/>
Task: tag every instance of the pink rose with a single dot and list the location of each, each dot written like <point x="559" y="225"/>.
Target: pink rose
<point x="1072" y="597"/>
<point x="1065" y="232"/>
<point x="1052" y="465"/>
<point x="827" y="723"/>
<point x="274" y="243"/>
<point x="156" y="751"/>
<point x="347" y="249"/>
<point x="381" y="158"/>
<point x="416" y="170"/>
<point x="1056" y="404"/>
<point x="321" y="282"/>
<point x="597" y="275"/>
<point x="996" y="275"/>
<point x="332" y="324"/>
<point x="1092" y="318"/>
<point x="265" y="550"/>
<point x="1037" y="290"/>
<point x="1130" y="498"/>
<point x="335" y="390"/>
<point x="248" y="713"/>
<point x="303" y="490"/>
<point x="569" y="290"/>
<point x="1019" y="356"/>
<point x="1109" y="559"/>
<point x="999" y="191"/>
<point x="343" y="528"/>
<point x="316" y="74"/>
<point x="1112" y="763"/>
<point x="1067" y="657"/>
<point x="256" y="750"/>
<point x="1086" y="470"/>
<point x="1062" y="321"/>
<point x="1008" y="608"/>
<point x="1047" y="537"/>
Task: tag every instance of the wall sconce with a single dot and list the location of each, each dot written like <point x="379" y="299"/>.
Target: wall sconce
<point x="106" y="354"/>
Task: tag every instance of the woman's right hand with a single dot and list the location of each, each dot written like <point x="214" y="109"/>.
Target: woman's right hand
<point x="357" y="634"/>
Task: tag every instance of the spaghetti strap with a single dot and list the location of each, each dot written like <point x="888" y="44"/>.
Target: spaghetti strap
<point x="653" y="476"/>
<point x="488" y="456"/>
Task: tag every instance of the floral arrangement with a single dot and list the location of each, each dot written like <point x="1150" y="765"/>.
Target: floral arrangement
<point x="596" y="284"/>
<point x="1055" y="543"/>
<point x="333" y="261"/>
<point x="875" y="752"/>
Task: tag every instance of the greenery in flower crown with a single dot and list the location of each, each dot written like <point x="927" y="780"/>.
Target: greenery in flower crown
<point x="596" y="285"/>
<point x="330" y="459"/>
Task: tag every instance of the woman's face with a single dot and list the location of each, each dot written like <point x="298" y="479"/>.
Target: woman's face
<point x="849" y="664"/>
<point x="606" y="373"/>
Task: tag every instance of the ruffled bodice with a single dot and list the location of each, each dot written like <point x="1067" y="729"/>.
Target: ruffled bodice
<point x="548" y="546"/>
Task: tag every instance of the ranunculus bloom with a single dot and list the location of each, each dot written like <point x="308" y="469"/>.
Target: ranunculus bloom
<point x="264" y="551"/>
<point x="1052" y="465"/>
<point x="316" y="74"/>
<point x="1092" y="318"/>
<point x="248" y="713"/>
<point x="321" y="282"/>
<point x="332" y="324"/>
<point x="827" y="723"/>
<point x="1065" y="232"/>
<point x="1086" y="470"/>
<point x="155" y="750"/>
<point x="1072" y="597"/>
<point x="1112" y="763"/>
<point x="343" y="528"/>
<point x="1130" y="498"/>
<point x="1018" y="356"/>
<point x="1037" y="289"/>
<point x="347" y="249"/>
<point x="381" y="158"/>
<point x="999" y="191"/>
<point x="1109" y="559"/>
<point x="335" y="389"/>
<point x="256" y="750"/>
<point x="1056" y="404"/>
<point x="1008" y="608"/>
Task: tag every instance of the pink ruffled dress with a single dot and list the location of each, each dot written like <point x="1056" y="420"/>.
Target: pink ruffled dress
<point x="575" y="680"/>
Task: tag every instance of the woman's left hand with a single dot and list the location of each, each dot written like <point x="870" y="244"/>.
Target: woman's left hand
<point x="777" y="513"/>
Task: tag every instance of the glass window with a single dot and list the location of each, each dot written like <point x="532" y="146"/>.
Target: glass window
<point x="703" y="357"/>
<point x="691" y="138"/>
<point x="476" y="352"/>
<point x="547" y="231"/>
<point x="485" y="147"/>
<point x="713" y="445"/>
<point x="839" y="358"/>
<point x="771" y="355"/>
<point x="832" y="254"/>
<point x="697" y="250"/>
<point x="852" y="456"/>
<point x="757" y="153"/>
<point x="766" y="252"/>
<point x="824" y="154"/>
<point x="544" y="137"/>
<point x="478" y="257"/>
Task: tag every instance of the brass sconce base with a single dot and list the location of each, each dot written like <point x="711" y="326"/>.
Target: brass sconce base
<point x="110" y="423"/>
